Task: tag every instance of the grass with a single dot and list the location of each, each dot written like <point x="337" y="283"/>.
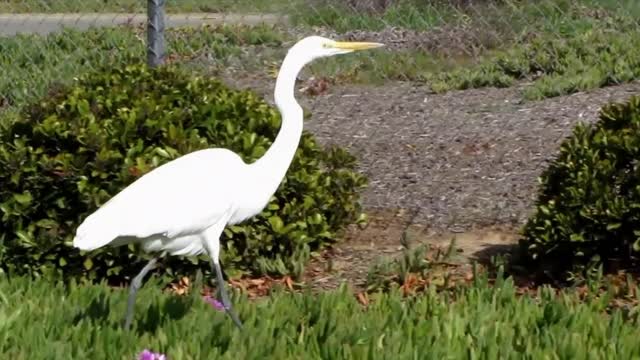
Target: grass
<point x="476" y="322"/>
<point x="514" y="16"/>
<point x="555" y="66"/>
<point x="337" y="15"/>
<point x="509" y="16"/>
<point x="128" y="6"/>
<point x="382" y="66"/>
<point x="38" y="61"/>
<point x="558" y="46"/>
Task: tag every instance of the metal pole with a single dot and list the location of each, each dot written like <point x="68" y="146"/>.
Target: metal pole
<point x="155" y="32"/>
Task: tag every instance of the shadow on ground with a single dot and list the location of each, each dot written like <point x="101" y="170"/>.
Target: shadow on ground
<point x="146" y="319"/>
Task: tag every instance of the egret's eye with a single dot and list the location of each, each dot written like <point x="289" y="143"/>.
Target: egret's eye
<point x="326" y="45"/>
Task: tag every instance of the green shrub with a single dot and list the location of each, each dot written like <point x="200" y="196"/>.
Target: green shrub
<point x="588" y="208"/>
<point x="69" y="153"/>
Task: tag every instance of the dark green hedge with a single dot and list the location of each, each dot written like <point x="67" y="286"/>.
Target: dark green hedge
<point x="588" y="209"/>
<point x="67" y="154"/>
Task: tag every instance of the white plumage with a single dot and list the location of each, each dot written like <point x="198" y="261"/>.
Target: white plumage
<point x="168" y="208"/>
<point x="182" y="207"/>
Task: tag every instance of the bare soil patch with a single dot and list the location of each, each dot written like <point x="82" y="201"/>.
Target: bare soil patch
<point x="351" y="259"/>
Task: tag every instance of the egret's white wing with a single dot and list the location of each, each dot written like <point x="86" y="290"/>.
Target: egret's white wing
<point x="181" y="197"/>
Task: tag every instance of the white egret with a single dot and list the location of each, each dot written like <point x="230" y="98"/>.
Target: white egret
<point x="182" y="207"/>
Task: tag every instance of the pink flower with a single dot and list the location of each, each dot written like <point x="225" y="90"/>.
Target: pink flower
<point x="214" y="303"/>
<point x="148" y="355"/>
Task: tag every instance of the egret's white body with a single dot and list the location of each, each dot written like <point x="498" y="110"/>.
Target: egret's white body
<point x="183" y="198"/>
<point x="182" y="207"/>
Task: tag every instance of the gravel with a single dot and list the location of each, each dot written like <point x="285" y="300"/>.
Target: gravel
<point x="461" y="159"/>
<point x="456" y="161"/>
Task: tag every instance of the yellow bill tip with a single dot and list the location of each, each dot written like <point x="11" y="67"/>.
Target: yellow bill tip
<point x="352" y="45"/>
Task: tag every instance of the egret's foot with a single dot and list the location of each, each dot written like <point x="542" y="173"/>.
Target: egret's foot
<point x="227" y="307"/>
<point x="224" y="296"/>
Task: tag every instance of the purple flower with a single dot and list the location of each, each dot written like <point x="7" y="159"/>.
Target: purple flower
<point x="148" y="355"/>
<point x="213" y="302"/>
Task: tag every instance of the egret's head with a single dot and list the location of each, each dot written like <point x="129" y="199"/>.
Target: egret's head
<point x="314" y="47"/>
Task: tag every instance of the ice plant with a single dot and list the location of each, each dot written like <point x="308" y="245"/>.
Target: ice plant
<point x="213" y="302"/>
<point x="146" y="354"/>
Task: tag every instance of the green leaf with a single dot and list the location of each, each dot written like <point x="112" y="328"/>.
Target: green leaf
<point x="24" y="198"/>
<point x="276" y="223"/>
<point x="88" y="264"/>
<point x="162" y="152"/>
<point x="613" y="226"/>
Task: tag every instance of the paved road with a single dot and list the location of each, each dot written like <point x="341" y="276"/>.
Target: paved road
<point x="12" y="24"/>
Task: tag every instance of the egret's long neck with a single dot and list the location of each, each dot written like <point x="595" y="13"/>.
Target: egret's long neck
<point x="273" y="166"/>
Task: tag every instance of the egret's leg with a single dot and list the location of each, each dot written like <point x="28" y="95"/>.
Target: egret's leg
<point x="223" y="294"/>
<point x="133" y="290"/>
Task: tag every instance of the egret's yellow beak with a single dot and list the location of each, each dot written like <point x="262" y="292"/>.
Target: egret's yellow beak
<point x="348" y="45"/>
